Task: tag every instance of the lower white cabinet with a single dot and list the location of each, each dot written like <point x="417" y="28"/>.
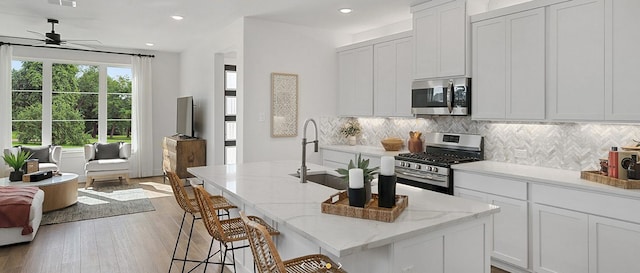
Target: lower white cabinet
<point x="337" y="159"/>
<point x="560" y="240"/>
<point x="416" y="255"/>
<point x="614" y="245"/>
<point x="510" y="226"/>
<point x="452" y="250"/>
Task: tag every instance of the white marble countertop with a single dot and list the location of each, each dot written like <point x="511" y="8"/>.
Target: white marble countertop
<point x="268" y="188"/>
<point x="377" y="151"/>
<point x="542" y="175"/>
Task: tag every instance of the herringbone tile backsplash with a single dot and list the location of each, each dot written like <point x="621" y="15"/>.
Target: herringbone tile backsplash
<point x="569" y="146"/>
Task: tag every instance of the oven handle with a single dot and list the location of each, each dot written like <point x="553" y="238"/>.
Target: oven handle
<point x="439" y="180"/>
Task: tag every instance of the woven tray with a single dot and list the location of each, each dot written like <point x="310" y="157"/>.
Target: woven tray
<point x="338" y="204"/>
<point x="594" y="176"/>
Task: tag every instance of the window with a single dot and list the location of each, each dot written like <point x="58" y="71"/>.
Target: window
<point x="26" y="98"/>
<point x="230" y="111"/>
<point x="76" y="100"/>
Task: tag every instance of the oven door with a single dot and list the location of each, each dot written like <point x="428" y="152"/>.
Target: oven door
<point x="433" y="182"/>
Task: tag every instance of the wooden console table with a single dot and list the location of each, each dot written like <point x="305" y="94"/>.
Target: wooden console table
<point x="178" y="154"/>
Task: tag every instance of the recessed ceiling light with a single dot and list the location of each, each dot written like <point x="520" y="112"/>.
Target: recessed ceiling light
<point x="345" y="10"/>
<point x="177" y="17"/>
<point x="149" y="44"/>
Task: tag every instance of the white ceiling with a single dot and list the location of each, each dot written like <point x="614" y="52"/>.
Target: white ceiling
<point x="132" y="23"/>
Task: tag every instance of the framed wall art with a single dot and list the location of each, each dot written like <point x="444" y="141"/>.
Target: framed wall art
<point x="284" y="105"/>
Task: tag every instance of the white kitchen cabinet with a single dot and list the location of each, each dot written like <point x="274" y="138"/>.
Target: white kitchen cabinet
<point x="614" y="245"/>
<point x="560" y="240"/>
<point x="417" y="255"/>
<point x="440" y="36"/>
<point x="511" y="226"/>
<point x="355" y="82"/>
<point x="489" y="69"/>
<point x="337" y="159"/>
<point x="622" y="70"/>
<point x="576" y="68"/>
<point x="392" y="78"/>
<point x="509" y="67"/>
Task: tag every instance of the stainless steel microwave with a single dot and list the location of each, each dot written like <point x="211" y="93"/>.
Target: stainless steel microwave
<point x="447" y="97"/>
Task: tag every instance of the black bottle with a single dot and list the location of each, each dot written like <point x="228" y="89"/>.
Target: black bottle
<point x="631" y="170"/>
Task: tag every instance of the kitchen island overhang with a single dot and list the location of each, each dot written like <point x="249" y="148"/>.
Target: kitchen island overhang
<point x="269" y="190"/>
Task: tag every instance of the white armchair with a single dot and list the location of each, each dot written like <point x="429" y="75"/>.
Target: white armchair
<point x="48" y="156"/>
<point x="106" y="161"/>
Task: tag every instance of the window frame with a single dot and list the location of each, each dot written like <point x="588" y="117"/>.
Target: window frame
<point x="47" y="96"/>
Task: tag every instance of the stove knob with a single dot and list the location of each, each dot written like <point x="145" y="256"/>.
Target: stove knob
<point x="430" y="168"/>
<point x="418" y="167"/>
<point x="435" y="170"/>
<point x="408" y="165"/>
<point x="401" y="164"/>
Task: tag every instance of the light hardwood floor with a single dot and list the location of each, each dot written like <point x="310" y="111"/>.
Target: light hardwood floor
<point x="141" y="242"/>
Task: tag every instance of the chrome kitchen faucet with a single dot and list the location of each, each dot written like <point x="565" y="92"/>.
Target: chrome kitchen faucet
<point x="303" y="169"/>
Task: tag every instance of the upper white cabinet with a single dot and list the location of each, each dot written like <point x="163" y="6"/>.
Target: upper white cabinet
<point x="509" y="67"/>
<point x="355" y="82"/>
<point x="392" y="78"/>
<point x="577" y="60"/>
<point x="440" y="34"/>
<point x="622" y="55"/>
<point x="374" y="77"/>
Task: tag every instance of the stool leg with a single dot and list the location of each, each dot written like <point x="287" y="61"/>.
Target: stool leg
<point x="173" y="257"/>
<point x="186" y="252"/>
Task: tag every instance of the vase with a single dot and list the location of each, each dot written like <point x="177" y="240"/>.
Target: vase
<point x="415" y="142"/>
<point x="351" y="140"/>
<point x="15" y="176"/>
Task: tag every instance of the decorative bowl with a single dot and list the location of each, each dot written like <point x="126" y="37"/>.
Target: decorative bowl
<point x="392" y="144"/>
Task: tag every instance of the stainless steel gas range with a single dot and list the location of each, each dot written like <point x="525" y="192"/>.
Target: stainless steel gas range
<point x="431" y="169"/>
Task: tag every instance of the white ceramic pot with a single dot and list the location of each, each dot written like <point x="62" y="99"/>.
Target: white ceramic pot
<point x="352" y="140"/>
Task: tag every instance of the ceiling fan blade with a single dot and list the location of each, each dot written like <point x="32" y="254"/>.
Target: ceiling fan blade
<point x="78" y="46"/>
<point x="39" y="34"/>
<point x="77" y="40"/>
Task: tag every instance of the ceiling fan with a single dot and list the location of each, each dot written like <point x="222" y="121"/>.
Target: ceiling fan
<point x="54" y="39"/>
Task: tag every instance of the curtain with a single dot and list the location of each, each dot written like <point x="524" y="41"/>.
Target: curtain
<point x="142" y="157"/>
<point x="6" y="54"/>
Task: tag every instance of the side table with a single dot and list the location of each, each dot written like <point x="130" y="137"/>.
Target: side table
<point x="60" y="191"/>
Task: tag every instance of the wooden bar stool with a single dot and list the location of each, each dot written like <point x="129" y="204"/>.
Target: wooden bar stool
<point x="224" y="231"/>
<point x="267" y="259"/>
<point x="190" y="205"/>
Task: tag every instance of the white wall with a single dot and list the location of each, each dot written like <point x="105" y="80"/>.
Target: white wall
<point x="277" y="47"/>
<point x="165" y="84"/>
<point x="203" y="80"/>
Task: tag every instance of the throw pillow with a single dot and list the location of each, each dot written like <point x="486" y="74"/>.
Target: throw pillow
<point x="39" y="153"/>
<point x="107" y="151"/>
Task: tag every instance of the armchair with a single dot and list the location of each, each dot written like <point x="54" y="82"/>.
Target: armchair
<point x="48" y="156"/>
<point x="106" y="161"/>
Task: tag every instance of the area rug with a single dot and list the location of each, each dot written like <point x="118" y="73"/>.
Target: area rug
<point x="105" y="200"/>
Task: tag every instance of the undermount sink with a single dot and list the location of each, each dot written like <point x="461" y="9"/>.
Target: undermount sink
<point x="331" y="181"/>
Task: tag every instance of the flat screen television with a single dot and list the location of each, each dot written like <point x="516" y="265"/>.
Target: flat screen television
<point x="184" y="121"/>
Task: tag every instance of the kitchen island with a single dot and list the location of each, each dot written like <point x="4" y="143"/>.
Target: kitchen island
<point x="436" y="232"/>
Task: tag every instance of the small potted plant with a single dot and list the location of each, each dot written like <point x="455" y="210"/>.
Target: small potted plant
<point x="368" y="173"/>
<point x="350" y="130"/>
<point x="16" y="161"/>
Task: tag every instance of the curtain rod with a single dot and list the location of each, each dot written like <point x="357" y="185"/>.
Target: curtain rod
<point x="80" y="49"/>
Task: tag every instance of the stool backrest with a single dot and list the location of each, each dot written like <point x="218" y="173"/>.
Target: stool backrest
<point x="209" y="215"/>
<point x="180" y="193"/>
<point x="265" y="253"/>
